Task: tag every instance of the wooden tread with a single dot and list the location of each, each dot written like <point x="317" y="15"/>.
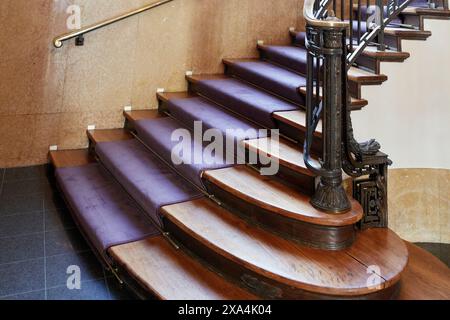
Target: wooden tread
<point x="355" y="103"/>
<point x="289" y="154"/>
<point x="108" y="135"/>
<point x="427" y="12"/>
<point x="408" y="33"/>
<point x="204" y="77"/>
<point x="365" y="77"/>
<point x="137" y="115"/>
<point x="425" y="277"/>
<point x="279" y="263"/>
<point x="269" y="194"/>
<point x="386" y="55"/>
<point x="170" y="274"/>
<point x="70" y="158"/>
<point x="296" y="119"/>
<point x="166" y="96"/>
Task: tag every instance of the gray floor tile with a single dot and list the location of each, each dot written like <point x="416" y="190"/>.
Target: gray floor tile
<point x="64" y="241"/>
<point x="26" y="187"/>
<point x="59" y="219"/>
<point x="14" y="204"/>
<point x="16" y="278"/>
<point x="53" y="201"/>
<point x="90" y="268"/>
<point x="21" y="248"/>
<point x="35" y="295"/>
<point x="21" y="224"/>
<point x="27" y="173"/>
<point x="90" y="290"/>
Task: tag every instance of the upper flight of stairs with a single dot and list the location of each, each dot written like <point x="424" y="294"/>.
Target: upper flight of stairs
<point x="174" y="228"/>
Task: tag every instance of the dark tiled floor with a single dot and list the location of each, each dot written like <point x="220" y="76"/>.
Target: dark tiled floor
<point x="39" y="241"/>
<point x="440" y="250"/>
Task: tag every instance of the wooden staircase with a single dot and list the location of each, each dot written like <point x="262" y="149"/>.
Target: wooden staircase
<point x="223" y="230"/>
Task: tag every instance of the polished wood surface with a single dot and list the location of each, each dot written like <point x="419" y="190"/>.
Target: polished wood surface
<point x="271" y="257"/>
<point x="296" y="119"/>
<point x="202" y="77"/>
<point x="108" y="135"/>
<point x="171" y="274"/>
<point x="276" y="197"/>
<point x="381" y="248"/>
<point x="141" y="115"/>
<point x="166" y="96"/>
<point x="287" y="153"/>
<point x="429" y="13"/>
<point x="425" y="277"/>
<point x="386" y="55"/>
<point x="365" y="77"/>
<point x="408" y="33"/>
<point x="354" y="103"/>
<point x="70" y="158"/>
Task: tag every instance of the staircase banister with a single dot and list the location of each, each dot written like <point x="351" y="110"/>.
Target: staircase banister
<point x="312" y="20"/>
<point x="59" y="40"/>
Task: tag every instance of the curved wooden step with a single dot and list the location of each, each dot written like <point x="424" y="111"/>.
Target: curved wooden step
<point x="296" y="119"/>
<point x="293" y="125"/>
<point x="170" y="274"/>
<point x="278" y="268"/>
<point x="425" y="277"/>
<point x="283" y="210"/>
<point x="269" y="194"/>
<point x="289" y="156"/>
<point x="355" y="104"/>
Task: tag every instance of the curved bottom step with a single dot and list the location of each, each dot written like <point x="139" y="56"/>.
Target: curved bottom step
<point x="171" y="274"/>
<point x="425" y="277"/>
<point x="280" y="269"/>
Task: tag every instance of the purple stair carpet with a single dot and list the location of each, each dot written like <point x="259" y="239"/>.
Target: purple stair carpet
<point x="146" y="178"/>
<point x="244" y="99"/>
<point x="104" y="211"/>
<point x="298" y="39"/>
<point x="157" y="134"/>
<point x="291" y="57"/>
<point x="213" y="116"/>
<point x="269" y="77"/>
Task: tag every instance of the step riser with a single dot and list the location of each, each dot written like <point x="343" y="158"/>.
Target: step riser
<point x="414" y="20"/>
<point x="268" y="84"/>
<point x="299" y="135"/>
<point x="393" y="42"/>
<point x="293" y="65"/>
<point x="369" y="63"/>
<point x="256" y="283"/>
<point x="302" y="181"/>
<point x="323" y="237"/>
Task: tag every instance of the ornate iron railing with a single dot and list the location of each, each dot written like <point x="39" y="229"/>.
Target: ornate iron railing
<point x="337" y="32"/>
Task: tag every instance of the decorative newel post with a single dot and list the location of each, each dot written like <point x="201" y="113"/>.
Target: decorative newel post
<point x="330" y="195"/>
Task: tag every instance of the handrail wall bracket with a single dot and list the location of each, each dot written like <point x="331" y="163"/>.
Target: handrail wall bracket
<point x="79" y="34"/>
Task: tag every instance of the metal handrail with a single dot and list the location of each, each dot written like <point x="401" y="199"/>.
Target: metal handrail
<point x="58" y="41"/>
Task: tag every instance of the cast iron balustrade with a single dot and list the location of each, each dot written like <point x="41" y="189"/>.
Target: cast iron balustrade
<point x="336" y="35"/>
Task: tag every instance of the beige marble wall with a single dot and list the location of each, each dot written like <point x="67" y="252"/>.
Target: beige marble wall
<point x="49" y="96"/>
<point x="419" y="204"/>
